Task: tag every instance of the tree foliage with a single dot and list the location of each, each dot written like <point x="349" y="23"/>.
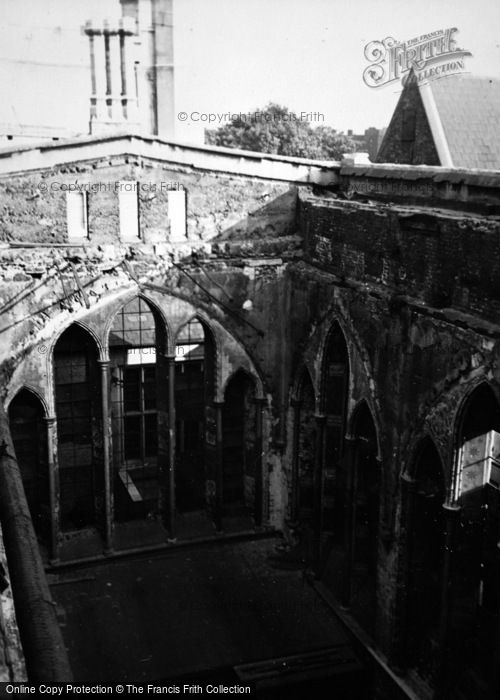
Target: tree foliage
<point x="275" y="129"/>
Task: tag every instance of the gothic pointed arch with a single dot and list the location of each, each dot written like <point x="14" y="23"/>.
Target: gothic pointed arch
<point x="195" y="377"/>
<point x="139" y="411"/>
<point x="79" y="428"/>
<point x="26" y="419"/>
<point x="333" y="402"/>
<point x="475" y="587"/>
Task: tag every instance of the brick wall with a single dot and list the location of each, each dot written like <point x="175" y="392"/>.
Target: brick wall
<point x="439" y="260"/>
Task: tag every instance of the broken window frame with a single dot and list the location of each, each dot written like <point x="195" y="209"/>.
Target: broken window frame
<point x="136" y="329"/>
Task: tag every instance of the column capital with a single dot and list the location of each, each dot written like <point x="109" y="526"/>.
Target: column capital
<point x="104" y="364"/>
<point x="50" y="420"/>
<point x="218" y="402"/>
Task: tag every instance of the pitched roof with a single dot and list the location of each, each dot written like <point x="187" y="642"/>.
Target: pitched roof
<point x="464" y="116"/>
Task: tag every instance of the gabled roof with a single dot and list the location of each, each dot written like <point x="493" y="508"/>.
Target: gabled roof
<point x="464" y="117"/>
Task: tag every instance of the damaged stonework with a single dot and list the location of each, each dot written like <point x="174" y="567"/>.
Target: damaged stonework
<point x="12" y="666"/>
<point x="414" y="290"/>
<point x="43" y="647"/>
<point x="212" y="292"/>
<point x="217" y="205"/>
<point x="307" y="347"/>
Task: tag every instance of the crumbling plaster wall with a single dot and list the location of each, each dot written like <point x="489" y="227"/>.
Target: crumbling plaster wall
<point x="43" y="309"/>
<point x="243" y="227"/>
<point x="33" y="205"/>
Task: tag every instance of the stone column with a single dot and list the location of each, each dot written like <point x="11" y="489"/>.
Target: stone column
<point x="100" y="76"/>
<point x="452" y="520"/>
<point x="93" y="86"/>
<point x="132" y="83"/>
<point x="318" y="490"/>
<point x="123" y="74"/>
<point x="349" y="458"/>
<point x="294" y="495"/>
<point x="113" y="84"/>
<point x="399" y="651"/>
<point x="107" y="66"/>
<point x="219" y="468"/>
<point x="116" y="77"/>
<point x="53" y="472"/>
<point x="259" y="486"/>
<point x="106" y="439"/>
<point x="171" y="448"/>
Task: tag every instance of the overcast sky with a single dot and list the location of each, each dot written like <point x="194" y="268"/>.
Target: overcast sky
<point x="236" y="55"/>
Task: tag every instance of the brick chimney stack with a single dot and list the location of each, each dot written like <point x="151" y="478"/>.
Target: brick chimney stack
<point x="113" y="99"/>
<point x="132" y="70"/>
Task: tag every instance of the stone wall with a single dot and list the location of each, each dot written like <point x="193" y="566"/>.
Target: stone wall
<point x="33" y="206"/>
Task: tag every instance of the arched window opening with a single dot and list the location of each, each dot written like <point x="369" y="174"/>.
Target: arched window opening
<point x="136" y="382"/>
<point x="333" y="487"/>
<point x="30" y="444"/>
<point x="190" y="345"/>
<point x="79" y="432"/>
<point x="476" y="579"/>
<point x="195" y="418"/>
<point x="365" y="519"/>
<point x="239" y="444"/>
<point x="335" y="386"/>
<point x="425" y="552"/>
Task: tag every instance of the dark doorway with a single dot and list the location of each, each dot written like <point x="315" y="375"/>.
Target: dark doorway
<point x="239" y="443"/>
<point x="333" y="487"/>
<point x="365" y="520"/>
<point x="194" y="383"/>
<point x="335" y="387"/>
<point x="425" y="543"/>
<point x="30" y="443"/>
<point x="475" y="634"/>
<point x="79" y="431"/>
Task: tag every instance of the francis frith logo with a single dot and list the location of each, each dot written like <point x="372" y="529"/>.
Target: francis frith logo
<point x="429" y="55"/>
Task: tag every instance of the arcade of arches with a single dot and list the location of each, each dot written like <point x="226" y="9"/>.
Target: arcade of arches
<point x="120" y="423"/>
